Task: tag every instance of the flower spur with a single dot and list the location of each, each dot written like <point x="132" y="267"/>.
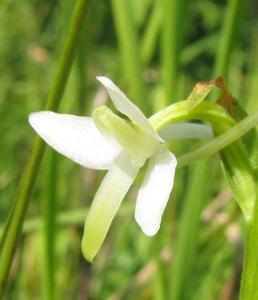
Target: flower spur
<point x="108" y="142"/>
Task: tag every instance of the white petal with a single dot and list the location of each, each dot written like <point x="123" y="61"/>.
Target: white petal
<point x="75" y="137"/>
<point x="107" y="200"/>
<point x="155" y="190"/>
<point x="186" y="131"/>
<point x="127" y="107"/>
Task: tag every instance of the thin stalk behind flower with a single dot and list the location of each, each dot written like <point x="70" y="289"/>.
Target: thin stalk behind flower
<point x="227" y="40"/>
<point x="172" y="12"/>
<point x="228" y="36"/>
<point x="83" y="62"/>
<point x="50" y="215"/>
<point x="13" y="230"/>
<point x="130" y="52"/>
<point x="187" y="241"/>
<point x="151" y="33"/>
<point x="249" y="286"/>
<point x="249" y="289"/>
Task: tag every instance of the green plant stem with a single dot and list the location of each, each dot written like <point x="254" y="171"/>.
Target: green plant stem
<point x="82" y="63"/>
<point x="173" y="11"/>
<point x="151" y="33"/>
<point x="13" y="230"/>
<point x="227" y="40"/>
<point x="228" y="36"/>
<point x="187" y="241"/>
<point x="130" y="52"/>
<point x="206" y="111"/>
<point x="249" y="280"/>
<point x="178" y="112"/>
<point x="249" y="283"/>
<point x="221" y="141"/>
<point x="50" y="209"/>
<point x="252" y="89"/>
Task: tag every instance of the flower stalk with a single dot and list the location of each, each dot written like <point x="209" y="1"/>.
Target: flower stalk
<point x="249" y="287"/>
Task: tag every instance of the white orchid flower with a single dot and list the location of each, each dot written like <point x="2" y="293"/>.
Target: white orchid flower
<point x="107" y="141"/>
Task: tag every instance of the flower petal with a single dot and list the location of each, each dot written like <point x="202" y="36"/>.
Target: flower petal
<point x="107" y="200"/>
<point x="155" y="190"/>
<point x="186" y="131"/>
<point x="75" y="137"/>
<point x="127" y="107"/>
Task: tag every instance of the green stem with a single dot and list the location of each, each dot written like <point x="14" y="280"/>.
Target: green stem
<point x="228" y="36"/>
<point x="129" y="46"/>
<point x="249" y="280"/>
<point x="82" y="63"/>
<point x="151" y="33"/>
<point x="227" y="40"/>
<point x="221" y="141"/>
<point x="249" y="284"/>
<point x="173" y="17"/>
<point x="186" y="244"/>
<point x="50" y="209"/>
<point x="178" y="112"/>
<point x="12" y="232"/>
<point x="252" y="89"/>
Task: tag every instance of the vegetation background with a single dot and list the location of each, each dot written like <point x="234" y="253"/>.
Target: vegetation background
<point x="156" y="51"/>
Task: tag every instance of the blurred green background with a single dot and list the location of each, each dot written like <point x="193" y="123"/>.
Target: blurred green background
<point x="156" y="51"/>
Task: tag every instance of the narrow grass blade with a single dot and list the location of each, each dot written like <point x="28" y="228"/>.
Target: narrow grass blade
<point x="173" y="18"/>
<point x="228" y="36"/>
<point x="130" y="52"/>
<point x="50" y="233"/>
<point x="28" y="179"/>
<point x="187" y="240"/>
<point x="151" y="33"/>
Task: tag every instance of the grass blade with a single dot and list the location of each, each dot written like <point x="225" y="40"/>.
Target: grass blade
<point x="173" y="12"/>
<point x="130" y="52"/>
<point x="28" y="180"/>
<point x="187" y="241"/>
